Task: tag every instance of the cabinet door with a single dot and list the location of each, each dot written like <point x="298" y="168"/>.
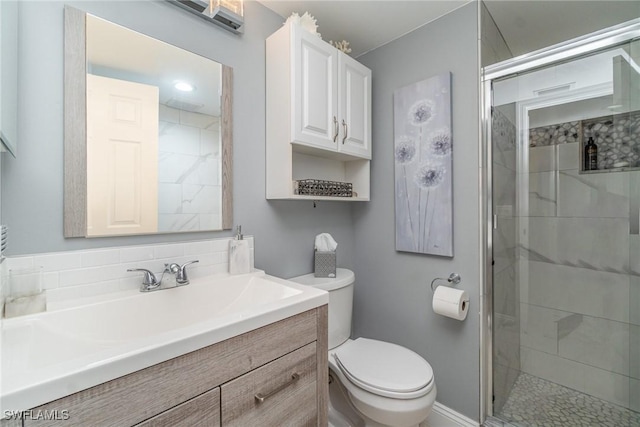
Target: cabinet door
<point x="354" y="110"/>
<point x="314" y="91"/>
<point x="282" y="392"/>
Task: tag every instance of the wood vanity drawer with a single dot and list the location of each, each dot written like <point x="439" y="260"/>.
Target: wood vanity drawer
<point x="287" y="401"/>
<point x="203" y="410"/>
<point x="139" y="396"/>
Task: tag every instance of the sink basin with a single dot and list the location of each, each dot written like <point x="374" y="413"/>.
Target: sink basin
<point x="49" y="355"/>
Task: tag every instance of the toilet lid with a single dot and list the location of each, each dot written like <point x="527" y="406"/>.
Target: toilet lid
<point x="382" y="366"/>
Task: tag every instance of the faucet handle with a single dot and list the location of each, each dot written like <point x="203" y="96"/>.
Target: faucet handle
<point x="149" y="280"/>
<point x="181" y="275"/>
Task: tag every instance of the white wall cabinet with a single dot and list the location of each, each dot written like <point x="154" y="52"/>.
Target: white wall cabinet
<point x="318" y="115"/>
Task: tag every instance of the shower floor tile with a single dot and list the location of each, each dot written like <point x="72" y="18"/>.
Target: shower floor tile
<point x="534" y="402"/>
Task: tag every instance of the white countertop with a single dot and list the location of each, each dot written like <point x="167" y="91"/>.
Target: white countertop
<point x="50" y="355"/>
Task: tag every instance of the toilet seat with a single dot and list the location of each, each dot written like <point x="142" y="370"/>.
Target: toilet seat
<point x="384" y="369"/>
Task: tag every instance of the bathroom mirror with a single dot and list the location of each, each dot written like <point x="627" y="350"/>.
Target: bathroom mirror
<point x="148" y="134"/>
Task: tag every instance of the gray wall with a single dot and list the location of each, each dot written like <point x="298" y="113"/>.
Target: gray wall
<point x="392" y="297"/>
<point x="393" y="301"/>
<point x="32" y="184"/>
<point x="493" y="46"/>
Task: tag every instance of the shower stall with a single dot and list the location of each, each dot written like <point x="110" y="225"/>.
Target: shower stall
<point x="562" y="184"/>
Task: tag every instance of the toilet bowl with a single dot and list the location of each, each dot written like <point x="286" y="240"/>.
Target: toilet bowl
<point x="375" y="383"/>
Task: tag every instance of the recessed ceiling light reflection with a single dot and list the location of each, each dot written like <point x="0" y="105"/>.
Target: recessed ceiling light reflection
<point x="183" y="86"/>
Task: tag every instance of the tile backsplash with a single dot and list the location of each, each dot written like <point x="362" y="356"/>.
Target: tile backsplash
<point x="92" y="272"/>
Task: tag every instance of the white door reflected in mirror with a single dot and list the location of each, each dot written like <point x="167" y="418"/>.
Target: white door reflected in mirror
<point x="122" y="157"/>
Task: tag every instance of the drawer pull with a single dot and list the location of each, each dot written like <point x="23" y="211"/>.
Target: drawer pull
<point x="262" y="397"/>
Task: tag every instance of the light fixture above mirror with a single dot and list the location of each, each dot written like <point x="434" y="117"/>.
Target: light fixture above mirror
<point x="229" y="14"/>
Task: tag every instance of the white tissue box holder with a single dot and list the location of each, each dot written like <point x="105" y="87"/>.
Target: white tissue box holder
<point x="324" y="264"/>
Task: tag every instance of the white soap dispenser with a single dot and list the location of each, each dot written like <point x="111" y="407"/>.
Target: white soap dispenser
<point x="239" y="256"/>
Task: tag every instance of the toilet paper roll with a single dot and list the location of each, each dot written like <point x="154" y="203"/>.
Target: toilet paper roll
<point x="451" y="302"/>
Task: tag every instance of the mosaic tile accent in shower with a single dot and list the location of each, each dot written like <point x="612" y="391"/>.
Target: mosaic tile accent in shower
<point x="534" y="402"/>
<point x="617" y="138"/>
<point x="562" y="133"/>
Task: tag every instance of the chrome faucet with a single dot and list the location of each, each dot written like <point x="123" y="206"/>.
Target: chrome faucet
<point x="180" y="271"/>
<point x="149" y="280"/>
<point x="151" y="283"/>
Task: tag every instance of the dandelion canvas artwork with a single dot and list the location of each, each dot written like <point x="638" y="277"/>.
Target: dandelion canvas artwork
<point x="423" y="167"/>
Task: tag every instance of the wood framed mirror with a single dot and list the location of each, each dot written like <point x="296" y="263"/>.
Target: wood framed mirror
<point x="140" y="155"/>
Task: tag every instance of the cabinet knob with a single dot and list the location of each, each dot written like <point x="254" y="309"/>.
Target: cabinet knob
<point x="336" y="127"/>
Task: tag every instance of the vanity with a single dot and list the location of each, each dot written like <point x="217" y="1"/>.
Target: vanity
<point x="223" y="351"/>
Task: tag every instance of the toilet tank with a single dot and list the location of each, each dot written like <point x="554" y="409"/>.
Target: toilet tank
<point x="340" y="291"/>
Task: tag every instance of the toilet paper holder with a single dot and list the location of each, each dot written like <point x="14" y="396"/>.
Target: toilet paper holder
<point x="454" y="279"/>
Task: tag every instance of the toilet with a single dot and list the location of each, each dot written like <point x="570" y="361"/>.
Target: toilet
<point x="371" y="383"/>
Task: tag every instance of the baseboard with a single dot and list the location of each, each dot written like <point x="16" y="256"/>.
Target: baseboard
<point x="443" y="416"/>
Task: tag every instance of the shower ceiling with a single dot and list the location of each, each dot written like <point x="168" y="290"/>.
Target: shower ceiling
<point x="526" y="25"/>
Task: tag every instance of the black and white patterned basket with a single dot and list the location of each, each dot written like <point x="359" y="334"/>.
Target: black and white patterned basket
<point x="318" y="187"/>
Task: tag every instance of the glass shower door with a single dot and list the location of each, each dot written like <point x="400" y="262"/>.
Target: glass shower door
<point x="566" y="247"/>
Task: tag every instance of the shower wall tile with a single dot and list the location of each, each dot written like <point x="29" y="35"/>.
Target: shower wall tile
<point x="210" y="143"/>
<point x="205" y="172"/>
<point x="503" y="141"/>
<point x="505" y="156"/>
<point x="569" y="156"/>
<point x="210" y="222"/>
<point x="606" y="385"/>
<point x="634" y="395"/>
<point x="542" y="159"/>
<point x="561" y="133"/>
<point x="168" y="114"/>
<point x="634" y="351"/>
<point x="539" y="327"/>
<point x="200" y="198"/>
<point x="634" y="300"/>
<point x="597" y="342"/>
<point x="634" y="254"/>
<point x="169" y="198"/>
<point x="178" y="222"/>
<point x="504" y="244"/>
<point x="594" y="243"/>
<point x="594" y="195"/>
<point x="175" y="168"/>
<point x="503" y="380"/>
<point x="180" y="139"/>
<point x="506" y="355"/>
<point x="542" y="194"/>
<point x="509" y="327"/>
<point x="505" y="292"/>
<point x="596" y="382"/>
<point x="578" y="290"/>
<point x="197" y="120"/>
<point x="504" y="186"/>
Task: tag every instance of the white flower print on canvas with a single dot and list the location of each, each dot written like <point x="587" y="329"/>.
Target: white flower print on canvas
<point x="423" y="147"/>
